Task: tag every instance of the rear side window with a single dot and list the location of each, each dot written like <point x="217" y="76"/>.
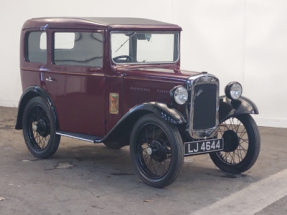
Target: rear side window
<point x="36" y="47"/>
<point x="78" y="49"/>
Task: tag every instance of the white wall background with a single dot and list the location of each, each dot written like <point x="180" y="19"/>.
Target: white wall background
<point x="243" y="40"/>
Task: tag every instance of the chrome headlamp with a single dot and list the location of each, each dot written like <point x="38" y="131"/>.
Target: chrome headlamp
<point x="179" y="95"/>
<point x="233" y="90"/>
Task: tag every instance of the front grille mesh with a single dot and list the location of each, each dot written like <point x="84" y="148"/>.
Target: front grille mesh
<point x="204" y="106"/>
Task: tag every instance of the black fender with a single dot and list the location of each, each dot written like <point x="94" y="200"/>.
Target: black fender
<point x="125" y="124"/>
<point x="28" y="94"/>
<point x="229" y="108"/>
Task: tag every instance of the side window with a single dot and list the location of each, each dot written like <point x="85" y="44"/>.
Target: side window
<point x="36" y="48"/>
<point x="120" y="44"/>
<point x="78" y="48"/>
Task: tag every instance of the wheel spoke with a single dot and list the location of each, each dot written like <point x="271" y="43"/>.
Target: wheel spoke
<point x="146" y="136"/>
<point x="243" y="149"/>
<point x="159" y="165"/>
<point x="242" y="133"/>
<point x="239" y="155"/>
<point x="152" y="161"/>
<point x="145" y="156"/>
<point x="159" y="133"/>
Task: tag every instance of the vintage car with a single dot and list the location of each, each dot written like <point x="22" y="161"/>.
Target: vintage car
<point x="118" y="81"/>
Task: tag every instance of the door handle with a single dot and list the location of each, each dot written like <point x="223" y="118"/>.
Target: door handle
<point x="43" y="69"/>
<point x="49" y="79"/>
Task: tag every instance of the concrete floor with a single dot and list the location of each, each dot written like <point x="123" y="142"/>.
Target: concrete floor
<point x="99" y="180"/>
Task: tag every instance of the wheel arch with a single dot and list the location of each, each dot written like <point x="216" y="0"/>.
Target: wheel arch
<point x="125" y="125"/>
<point x="28" y="94"/>
<point x="229" y="108"/>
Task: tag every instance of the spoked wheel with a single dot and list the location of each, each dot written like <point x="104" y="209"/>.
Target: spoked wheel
<point x="241" y="144"/>
<point x="39" y="129"/>
<point x="156" y="151"/>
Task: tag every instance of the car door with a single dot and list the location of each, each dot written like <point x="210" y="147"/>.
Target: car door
<point x="75" y="78"/>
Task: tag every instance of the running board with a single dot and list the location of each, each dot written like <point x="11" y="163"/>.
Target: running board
<point x="85" y="137"/>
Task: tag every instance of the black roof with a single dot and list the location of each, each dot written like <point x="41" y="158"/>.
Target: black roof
<point x="124" y="21"/>
<point x="108" y="22"/>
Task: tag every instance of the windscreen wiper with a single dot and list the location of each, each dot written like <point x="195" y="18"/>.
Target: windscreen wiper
<point x="131" y="34"/>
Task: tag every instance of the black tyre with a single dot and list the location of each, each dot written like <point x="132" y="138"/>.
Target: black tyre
<point x="39" y="129"/>
<point x="156" y="150"/>
<point x="241" y="144"/>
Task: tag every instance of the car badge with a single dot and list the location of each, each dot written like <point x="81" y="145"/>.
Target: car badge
<point x="114" y="103"/>
<point x="198" y="93"/>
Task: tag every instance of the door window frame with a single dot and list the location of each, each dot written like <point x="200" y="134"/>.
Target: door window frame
<point x="26" y="64"/>
<point x="71" y="68"/>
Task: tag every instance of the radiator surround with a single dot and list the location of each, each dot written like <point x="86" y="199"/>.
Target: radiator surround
<point x="193" y="128"/>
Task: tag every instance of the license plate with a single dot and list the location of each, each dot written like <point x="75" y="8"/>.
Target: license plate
<point x="203" y="146"/>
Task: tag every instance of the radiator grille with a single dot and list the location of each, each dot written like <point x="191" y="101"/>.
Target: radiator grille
<point x="204" y="106"/>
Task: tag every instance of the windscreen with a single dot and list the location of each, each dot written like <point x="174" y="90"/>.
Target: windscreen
<point x="144" y="47"/>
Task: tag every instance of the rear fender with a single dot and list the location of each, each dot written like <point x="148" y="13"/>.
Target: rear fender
<point x="28" y="94"/>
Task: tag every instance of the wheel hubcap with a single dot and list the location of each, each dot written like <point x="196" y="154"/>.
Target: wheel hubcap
<point x="231" y="141"/>
<point x="34" y="127"/>
<point x="149" y="151"/>
<point x="159" y="153"/>
<point x="41" y="128"/>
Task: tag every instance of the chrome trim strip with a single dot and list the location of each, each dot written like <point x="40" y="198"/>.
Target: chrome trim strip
<point x="190" y="85"/>
<point x="71" y="136"/>
<point x="65" y="73"/>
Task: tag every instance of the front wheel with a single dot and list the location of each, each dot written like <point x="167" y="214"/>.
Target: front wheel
<point x="241" y="144"/>
<point x="156" y="150"/>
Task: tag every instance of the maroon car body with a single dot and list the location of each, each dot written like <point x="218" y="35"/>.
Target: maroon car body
<point x="81" y="96"/>
<point x="98" y="82"/>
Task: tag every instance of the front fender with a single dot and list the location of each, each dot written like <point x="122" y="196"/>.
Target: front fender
<point x="28" y="94"/>
<point x="168" y="113"/>
<point x="230" y="108"/>
<point x="125" y="125"/>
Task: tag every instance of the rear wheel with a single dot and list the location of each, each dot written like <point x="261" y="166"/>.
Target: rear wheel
<point x="241" y="144"/>
<point x="39" y="129"/>
<point x="157" y="151"/>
